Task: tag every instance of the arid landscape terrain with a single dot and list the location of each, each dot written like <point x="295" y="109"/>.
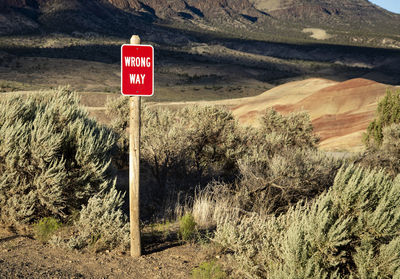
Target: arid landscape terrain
<point x="334" y="60"/>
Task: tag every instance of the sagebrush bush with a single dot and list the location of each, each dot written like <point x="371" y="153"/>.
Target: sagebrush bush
<point x="296" y="128"/>
<point x="281" y="165"/>
<point x="188" y="147"/>
<point x="102" y="223"/>
<point x="275" y="169"/>
<point x="270" y="182"/>
<point x="387" y="155"/>
<point x="351" y="231"/>
<point x="53" y="157"/>
<point x="183" y="147"/>
<point x="45" y="228"/>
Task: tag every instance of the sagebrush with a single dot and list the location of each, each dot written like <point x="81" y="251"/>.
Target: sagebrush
<point x="181" y="148"/>
<point x="53" y="157"/>
<point x="102" y="223"/>
<point x="278" y="166"/>
<point x="351" y="231"/>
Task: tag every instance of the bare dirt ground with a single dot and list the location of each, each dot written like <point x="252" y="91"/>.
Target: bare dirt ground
<point x="317" y="33"/>
<point x="23" y="257"/>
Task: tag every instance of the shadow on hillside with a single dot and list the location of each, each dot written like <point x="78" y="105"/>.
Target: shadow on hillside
<point x="337" y="56"/>
<point x="9" y="238"/>
<point x="86" y="16"/>
<point x="106" y="19"/>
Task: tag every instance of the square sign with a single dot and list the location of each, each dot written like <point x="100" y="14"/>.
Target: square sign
<point x="137" y="70"/>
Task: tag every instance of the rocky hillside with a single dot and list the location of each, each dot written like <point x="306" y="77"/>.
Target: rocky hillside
<point x="259" y="19"/>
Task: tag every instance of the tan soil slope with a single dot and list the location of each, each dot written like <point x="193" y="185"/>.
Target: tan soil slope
<point x="247" y="109"/>
<point x="340" y="112"/>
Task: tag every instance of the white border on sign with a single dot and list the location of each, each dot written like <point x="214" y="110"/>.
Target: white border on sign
<point x="129" y="95"/>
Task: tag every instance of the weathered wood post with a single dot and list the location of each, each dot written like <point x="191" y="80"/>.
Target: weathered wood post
<point x="134" y="170"/>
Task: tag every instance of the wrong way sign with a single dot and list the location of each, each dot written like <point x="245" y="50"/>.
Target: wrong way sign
<point x="137" y="70"/>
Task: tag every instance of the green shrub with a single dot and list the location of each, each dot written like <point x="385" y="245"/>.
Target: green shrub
<point x="101" y="223"/>
<point x="296" y="128"/>
<point x="188" y="147"/>
<point x="351" y="231"/>
<point x="53" y="157"/>
<point x="182" y="147"/>
<point x="45" y="228"/>
<point x="387" y="155"/>
<point x="281" y="165"/>
<point x="187" y="227"/>
<point x="200" y="139"/>
<point x="271" y="181"/>
<point x="208" y="270"/>
<point x="382" y="136"/>
<point x="388" y="112"/>
<point x="275" y="170"/>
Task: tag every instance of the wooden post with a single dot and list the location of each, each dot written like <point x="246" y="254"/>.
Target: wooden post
<point x="134" y="170"/>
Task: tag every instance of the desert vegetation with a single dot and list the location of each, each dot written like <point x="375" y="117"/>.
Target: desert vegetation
<point x="350" y="231"/>
<point x="265" y="201"/>
<point x="284" y="209"/>
<point x="264" y="197"/>
<point x="388" y="112"/>
<point x="55" y="161"/>
<point x="382" y="136"/>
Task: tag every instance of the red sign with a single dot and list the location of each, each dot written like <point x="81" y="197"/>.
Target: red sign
<point x="137" y="70"/>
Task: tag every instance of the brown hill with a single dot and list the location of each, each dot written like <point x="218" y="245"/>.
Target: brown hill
<point x="340" y="111"/>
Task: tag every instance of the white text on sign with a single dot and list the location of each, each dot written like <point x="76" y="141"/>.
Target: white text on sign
<point x="137" y="62"/>
<point x="136" y="79"/>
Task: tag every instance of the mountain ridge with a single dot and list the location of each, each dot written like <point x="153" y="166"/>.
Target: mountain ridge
<point x="237" y="17"/>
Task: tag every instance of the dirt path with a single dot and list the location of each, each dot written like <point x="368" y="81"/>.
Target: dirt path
<point x="24" y="257"/>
